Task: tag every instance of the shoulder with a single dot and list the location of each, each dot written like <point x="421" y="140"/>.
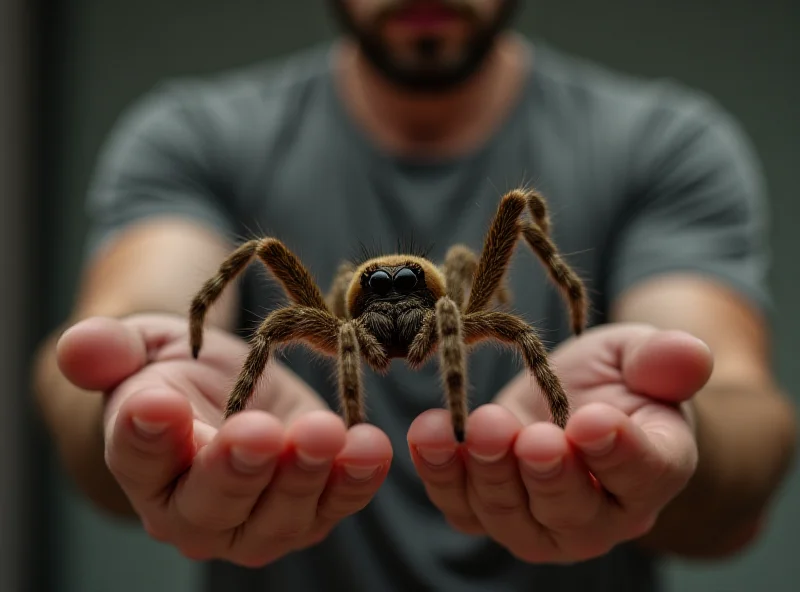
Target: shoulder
<point x="234" y="103"/>
<point x="656" y="128"/>
<point x="283" y="82"/>
<point x="595" y="90"/>
<point x="216" y="128"/>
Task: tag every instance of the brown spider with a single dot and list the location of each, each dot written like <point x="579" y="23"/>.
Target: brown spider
<point x="404" y="306"/>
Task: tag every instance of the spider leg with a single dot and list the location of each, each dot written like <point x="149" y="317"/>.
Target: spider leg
<point x="285" y="266"/>
<point x="459" y="267"/>
<point x="452" y="357"/>
<point x="569" y="283"/>
<point x="538" y="210"/>
<point x="505" y="230"/>
<point x="351" y="399"/>
<point x="338" y="291"/>
<point x="354" y="342"/>
<point x="510" y="329"/>
<point x="497" y="250"/>
<point x="317" y="328"/>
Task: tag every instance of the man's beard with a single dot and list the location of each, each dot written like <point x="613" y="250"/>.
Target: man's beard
<point x="438" y="79"/>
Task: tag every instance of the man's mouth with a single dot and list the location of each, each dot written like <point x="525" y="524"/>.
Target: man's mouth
<point x="425" y="15"/>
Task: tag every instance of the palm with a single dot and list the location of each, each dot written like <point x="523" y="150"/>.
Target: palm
<point x="274" y="478"/>
<point x="538" y="489"/>
<point x="204" y="382"/>
<point x="592" y="372"/>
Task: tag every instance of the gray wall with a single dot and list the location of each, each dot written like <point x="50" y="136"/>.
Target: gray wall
<point x="743" y="52"/>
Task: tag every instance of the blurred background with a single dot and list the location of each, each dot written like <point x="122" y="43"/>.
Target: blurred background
<point x="67" y="69"/>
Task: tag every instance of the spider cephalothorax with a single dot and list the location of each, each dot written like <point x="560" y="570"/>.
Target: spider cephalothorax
<point x="390" y="296"/>
<point x="405" y="306"/>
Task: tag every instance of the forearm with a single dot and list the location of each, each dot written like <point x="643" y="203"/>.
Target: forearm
<point x="746" y="443"/>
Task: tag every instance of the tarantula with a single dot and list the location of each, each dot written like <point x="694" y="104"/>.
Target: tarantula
<point x="404" y="306"/>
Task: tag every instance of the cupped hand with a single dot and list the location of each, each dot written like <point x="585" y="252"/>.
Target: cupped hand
<point x="553" y="495"/>
<point x="267" y="481"/>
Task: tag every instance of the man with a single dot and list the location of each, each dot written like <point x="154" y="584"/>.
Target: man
<point x="417" y="121"/>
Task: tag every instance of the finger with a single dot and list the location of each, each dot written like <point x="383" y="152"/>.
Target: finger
<point x="228" y="476"/>
<point x="666" y="365"/>
<point x="288" y="508"/>
<point x="99" y="353"/>
<point x="495" y="489"/>
<point x="150" y="443"/>
<point x="436" y="456"/>
<point x="359" y="470"/>
<point x="643" y="471"/>
<point x="562" y="496"/>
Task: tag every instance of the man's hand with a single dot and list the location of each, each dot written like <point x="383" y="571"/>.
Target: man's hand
<point x="265" y="482"/>
<point x="552" y="495"/>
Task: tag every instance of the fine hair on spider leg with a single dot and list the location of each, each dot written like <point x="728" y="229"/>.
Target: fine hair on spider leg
<point x="285" y="266"/>
<point x="315" y="327"/>
<point x="452" y="357"/>
<point x="338" y="290"/>
<point x="351" y="399"/>
<point x="537" y="235"/>
<point x="459" y="268"/>
<point x="510" y="330"/>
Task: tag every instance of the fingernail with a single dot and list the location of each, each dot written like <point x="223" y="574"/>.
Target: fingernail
<point x="360" y="473"/>
<point x="149" y="429"/>
<point x="487" y="458"/>
<point x="310" y="461"/>
<point x="248" y="461"/>
<point x="600" y="446"/>
<point x="436" y="457"/>
<point x="544" y="469"/>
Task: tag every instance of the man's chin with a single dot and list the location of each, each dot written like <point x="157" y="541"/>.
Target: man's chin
<point x="423" y="79"/>
<point x="425" y="82"/>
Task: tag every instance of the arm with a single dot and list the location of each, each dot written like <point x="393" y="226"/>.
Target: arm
<point x="154" y="266"/>
<point x="144" y="435"/>
<point x="156" y="233"/>
<point x="745" y="426"/>
<point x="695" y="258"/>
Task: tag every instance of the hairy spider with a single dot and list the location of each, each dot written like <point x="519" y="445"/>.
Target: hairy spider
<point x="405" y="306"/>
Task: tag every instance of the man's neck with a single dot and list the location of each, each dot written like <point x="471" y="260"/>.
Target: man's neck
<point x="435" y="126"/>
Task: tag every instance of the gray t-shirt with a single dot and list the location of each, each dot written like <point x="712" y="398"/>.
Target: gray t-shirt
<point x="642" y="178"/>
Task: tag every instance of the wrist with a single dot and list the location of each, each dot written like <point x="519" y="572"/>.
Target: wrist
<point x="74" y="419"/>
<point x="719" y="510"/>
<point x="84" y="456"/>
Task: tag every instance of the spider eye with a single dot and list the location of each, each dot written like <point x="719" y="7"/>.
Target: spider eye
<point x="380" y="282"/>
<point x="405" y="279"/>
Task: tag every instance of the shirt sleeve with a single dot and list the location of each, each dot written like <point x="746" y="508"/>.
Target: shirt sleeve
<point x="159" y="160"/>
<point x="699" y="205"/>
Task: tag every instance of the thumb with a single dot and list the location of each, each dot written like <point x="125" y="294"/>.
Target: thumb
<point x="98" y="353"/>
<point x="667" y="365"/>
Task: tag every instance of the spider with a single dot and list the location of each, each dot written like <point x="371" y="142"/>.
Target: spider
<point x="404" y="306"/>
